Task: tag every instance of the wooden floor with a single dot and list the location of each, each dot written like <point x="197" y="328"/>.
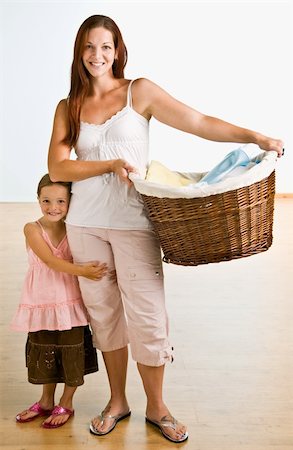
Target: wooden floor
<point x="232" y="378"/>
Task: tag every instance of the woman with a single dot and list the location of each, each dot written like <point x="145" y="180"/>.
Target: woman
<point x="105" y="119"/>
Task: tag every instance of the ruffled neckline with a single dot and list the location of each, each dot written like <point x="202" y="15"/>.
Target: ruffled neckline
<point x="113" y="117"/>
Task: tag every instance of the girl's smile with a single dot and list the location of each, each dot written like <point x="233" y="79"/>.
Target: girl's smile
<point x="54" y="202"/>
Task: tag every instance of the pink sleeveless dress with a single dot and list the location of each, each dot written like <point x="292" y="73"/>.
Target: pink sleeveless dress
<point x="50" y="300"/>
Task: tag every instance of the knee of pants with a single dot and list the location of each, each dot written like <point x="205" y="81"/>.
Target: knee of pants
<point x="112" y="337"/>
<point x="150" y="330"/>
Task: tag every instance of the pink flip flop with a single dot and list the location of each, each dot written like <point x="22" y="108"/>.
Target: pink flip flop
<point x="59" y="411"/>
<point x="36" y="407"/>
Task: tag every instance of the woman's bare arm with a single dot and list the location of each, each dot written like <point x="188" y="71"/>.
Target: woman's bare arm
<point x="158" y="103"/>
<point x="61" y="168"/>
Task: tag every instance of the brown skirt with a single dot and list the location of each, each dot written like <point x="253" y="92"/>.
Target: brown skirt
<point x="60" y="356"/>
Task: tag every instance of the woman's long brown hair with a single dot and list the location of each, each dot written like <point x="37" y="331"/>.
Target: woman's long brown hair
<point x="80" y="78"/>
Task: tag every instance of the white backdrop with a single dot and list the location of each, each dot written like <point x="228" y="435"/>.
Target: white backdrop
<point x="232" y="60"/>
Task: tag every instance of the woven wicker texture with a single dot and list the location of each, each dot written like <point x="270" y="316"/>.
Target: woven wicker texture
<point x="216" y="228"/>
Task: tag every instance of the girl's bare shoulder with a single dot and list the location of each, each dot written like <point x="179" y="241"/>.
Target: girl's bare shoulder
<point x="31" y="227"/>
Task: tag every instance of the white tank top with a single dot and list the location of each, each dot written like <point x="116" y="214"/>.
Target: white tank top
<point x="104" y="201"/>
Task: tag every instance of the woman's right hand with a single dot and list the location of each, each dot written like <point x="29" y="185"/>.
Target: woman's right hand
<point x="122" y="168"/>
<point x="94" y="271"/>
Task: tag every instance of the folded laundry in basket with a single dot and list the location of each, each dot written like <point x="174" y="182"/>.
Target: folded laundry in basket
<point x="233" y="164"/>
<point x="158" y="183"/>
<point x="160" y="174"/>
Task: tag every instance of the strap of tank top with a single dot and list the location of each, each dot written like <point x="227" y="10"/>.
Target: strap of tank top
<point x="40" y="226"/>
<point x="129" y="96"/>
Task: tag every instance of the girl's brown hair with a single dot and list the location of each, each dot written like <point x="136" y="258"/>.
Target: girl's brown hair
<point x="80" y="78"/>
<point x="46" y="181"/>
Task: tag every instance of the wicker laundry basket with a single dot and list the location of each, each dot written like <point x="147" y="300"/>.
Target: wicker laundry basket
<point x="215" y="228"/>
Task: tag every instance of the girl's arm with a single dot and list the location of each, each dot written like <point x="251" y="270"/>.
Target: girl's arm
<point x="154" y="101"/>
<point x="61" y="168"/>
<point x="36" y="242"/>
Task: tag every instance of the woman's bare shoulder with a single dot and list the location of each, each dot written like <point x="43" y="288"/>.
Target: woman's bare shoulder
<point x="145" y="89"/>
<point x="61" y="112"/>
<point x="143" y="83"/>
<point x="62" y="106"/>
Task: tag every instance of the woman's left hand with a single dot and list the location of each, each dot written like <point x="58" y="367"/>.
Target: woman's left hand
<point x="270" y="144"/>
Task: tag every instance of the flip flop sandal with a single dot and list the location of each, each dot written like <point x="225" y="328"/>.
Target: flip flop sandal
<point x="103" y="417"/>
<point x="167" y="422"/>
<point x="36" y="407"/>
<point x="58" y="411"/>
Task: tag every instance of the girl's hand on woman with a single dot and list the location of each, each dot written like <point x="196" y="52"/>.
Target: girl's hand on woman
<point x="94" y="271"/>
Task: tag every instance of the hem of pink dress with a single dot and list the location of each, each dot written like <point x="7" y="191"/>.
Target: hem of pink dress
<point x="58" y="317"/>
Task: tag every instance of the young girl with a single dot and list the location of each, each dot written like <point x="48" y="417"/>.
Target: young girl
<point x="59" y="345"/>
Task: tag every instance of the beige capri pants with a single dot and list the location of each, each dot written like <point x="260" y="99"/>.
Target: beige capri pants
<point x="132" y="308"/>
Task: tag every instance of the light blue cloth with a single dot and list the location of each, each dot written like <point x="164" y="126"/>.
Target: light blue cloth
<point x="236" y="158"/>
